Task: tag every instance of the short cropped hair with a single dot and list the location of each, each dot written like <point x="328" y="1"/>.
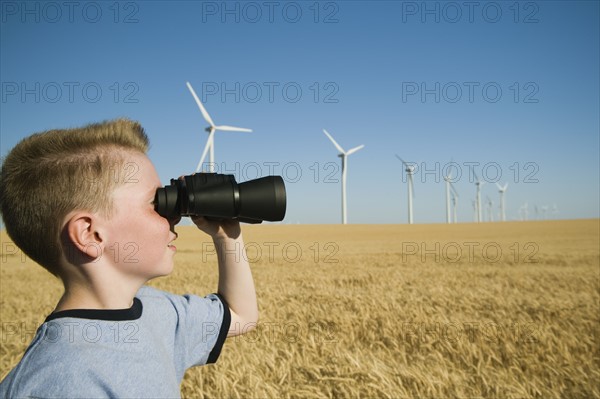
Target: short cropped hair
<point x="50" y="174"/>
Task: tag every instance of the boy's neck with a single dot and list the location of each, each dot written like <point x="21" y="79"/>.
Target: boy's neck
<point x="89" y="295"/>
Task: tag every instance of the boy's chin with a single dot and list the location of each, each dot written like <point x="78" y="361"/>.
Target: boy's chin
<point x="163" y="272"/>
<point x="159" y="271"/>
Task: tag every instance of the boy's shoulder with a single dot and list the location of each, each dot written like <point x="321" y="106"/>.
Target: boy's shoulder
<point x="170" y="334"/>
<point x="159" y="301"/>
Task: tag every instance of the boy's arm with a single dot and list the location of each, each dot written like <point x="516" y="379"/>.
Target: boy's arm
<point x="235" y="277"/>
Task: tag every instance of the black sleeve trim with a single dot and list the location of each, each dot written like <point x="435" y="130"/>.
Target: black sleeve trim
<point x="216" y="350"/>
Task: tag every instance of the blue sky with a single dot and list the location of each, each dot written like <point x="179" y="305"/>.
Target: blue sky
<point x="509" y="87"/>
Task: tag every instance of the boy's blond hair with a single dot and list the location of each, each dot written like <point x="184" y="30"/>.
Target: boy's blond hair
<point x="49" y="174"/>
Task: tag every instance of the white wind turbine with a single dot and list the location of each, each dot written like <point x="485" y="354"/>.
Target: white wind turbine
<point x="454" y="201"/>
<point x="490" y="204"/>
<point x="410" y="169"/>
<point x="544" y="211"/>
<point x="210" y="143"/>
<point x="554" y="210"/>
<point x="478" y="184"/>
<point x="450" y="187"/>
<point x="344" y="155"/>
<point x="524" y="211"/>
<point x="502" y="190"/>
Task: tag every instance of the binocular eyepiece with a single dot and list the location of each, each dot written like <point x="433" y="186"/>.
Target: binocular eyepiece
<point x="219" y="196"/>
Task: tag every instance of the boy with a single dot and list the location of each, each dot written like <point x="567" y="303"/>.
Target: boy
<point x="110" y="335"/>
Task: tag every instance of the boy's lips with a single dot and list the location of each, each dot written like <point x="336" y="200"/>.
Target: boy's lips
<point x="170" y="244"/>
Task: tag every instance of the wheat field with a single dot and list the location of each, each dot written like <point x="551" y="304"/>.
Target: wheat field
<point x="503" y="310"/>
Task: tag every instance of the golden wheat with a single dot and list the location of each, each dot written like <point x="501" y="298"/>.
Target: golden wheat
<point x="468" y="310"/>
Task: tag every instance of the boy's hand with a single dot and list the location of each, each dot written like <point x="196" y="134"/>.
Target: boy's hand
<point x="218" y="229"/>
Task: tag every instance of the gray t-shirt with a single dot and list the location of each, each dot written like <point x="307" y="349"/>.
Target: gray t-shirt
<point x="140" y="352"/>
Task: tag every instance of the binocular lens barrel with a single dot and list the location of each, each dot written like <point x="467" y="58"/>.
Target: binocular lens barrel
<point x="220" y="196"/>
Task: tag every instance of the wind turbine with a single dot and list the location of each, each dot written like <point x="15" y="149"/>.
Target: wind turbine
<point x="524" y="211"/>
<point x="502" y="190"/>
<point x="478" y="184"/>
<point x="344" y="155"/>
<point x="210" y="143"/>
<point x="450" y="186"/>
<point x="410" y="169"/>
<point x="554" y="210"/>
<point x="490" y="204"/>
<point x="454" y="202"/>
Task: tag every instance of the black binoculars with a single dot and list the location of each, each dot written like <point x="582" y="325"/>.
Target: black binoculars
<point x="219" y="196"/>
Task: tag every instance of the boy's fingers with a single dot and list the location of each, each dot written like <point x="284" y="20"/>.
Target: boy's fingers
<point x="199" y="220"/>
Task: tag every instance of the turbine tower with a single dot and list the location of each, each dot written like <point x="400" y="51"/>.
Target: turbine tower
<point x="554" y="210"/>
<point x="502" y="190"/>
<point x="410" y="169"/>
<point x="454" y="201"/>
<point x="210" y="143"/>
<point x="344" y="155"/>
<point x="490" y="204"/>
<point x="544" y="210"/>
<point x="524" y="211"/>
<point x="450" y="187"/>
<point x="478" y="184"/>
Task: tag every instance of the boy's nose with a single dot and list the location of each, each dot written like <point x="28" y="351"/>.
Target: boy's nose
<point x="172" y="223"/>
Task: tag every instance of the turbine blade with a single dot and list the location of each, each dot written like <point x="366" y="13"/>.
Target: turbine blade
<point x="233" y="129"/>
<point x="209" y="143"/>
<point x="476" y="178"/>
<point x="401" y="160"/>
<point x="202" y="109"/>
<point x="352" y="151"/>
<point x="453" y="189"/>
<point x="339" y="148"/>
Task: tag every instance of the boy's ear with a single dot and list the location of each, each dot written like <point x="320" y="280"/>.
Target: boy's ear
<point x="84" y="235"/>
